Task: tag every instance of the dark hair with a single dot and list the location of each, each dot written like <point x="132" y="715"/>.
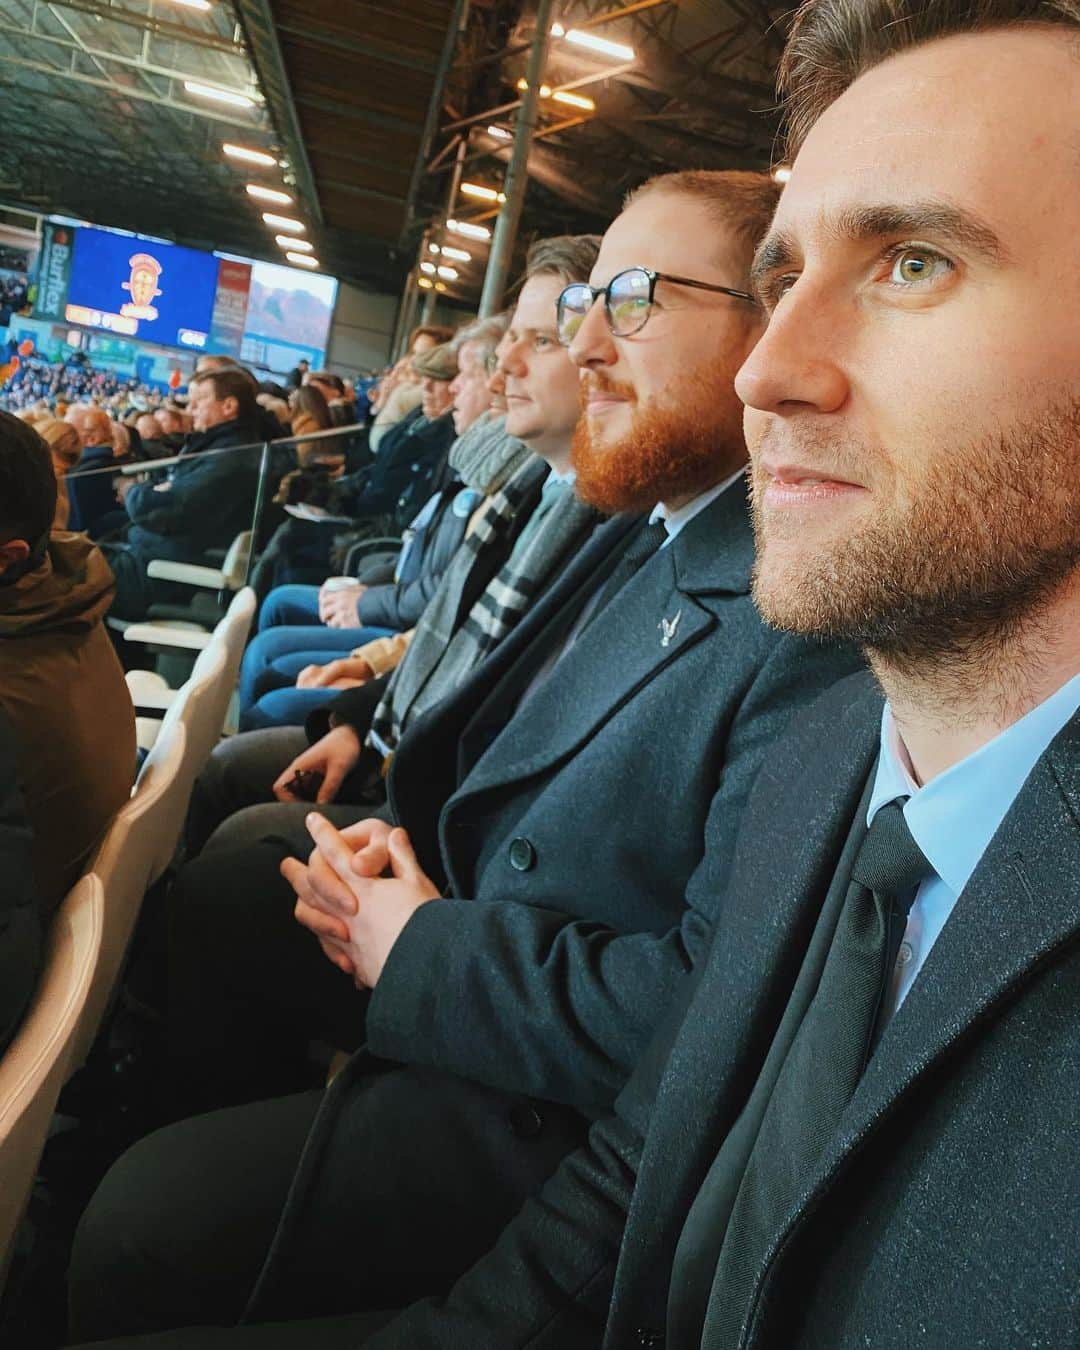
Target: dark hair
<point x="308" y="399"/>
<point x="439" y="332"/>
<point x="27" y="483"/>
<point x="232" y="382"/>
<point x="743" y="202"/>
<point x="833" y="42"/>
<point x="329" y="378"/>
<point x="570" y="257"/>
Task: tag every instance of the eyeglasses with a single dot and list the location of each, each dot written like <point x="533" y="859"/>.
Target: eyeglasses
<point x="491" y="363"/>
<point x="628" y="301"/>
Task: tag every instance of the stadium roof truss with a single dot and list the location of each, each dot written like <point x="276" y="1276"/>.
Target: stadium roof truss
<point x="370" y="109"/>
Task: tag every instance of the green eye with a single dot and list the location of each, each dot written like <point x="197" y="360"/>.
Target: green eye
<point x="913" y="266"/>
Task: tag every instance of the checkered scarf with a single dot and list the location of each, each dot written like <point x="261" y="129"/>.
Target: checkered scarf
<point x="446" y="648"/>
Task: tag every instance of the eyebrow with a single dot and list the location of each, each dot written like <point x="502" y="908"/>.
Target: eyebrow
<point x="864" y="224"/>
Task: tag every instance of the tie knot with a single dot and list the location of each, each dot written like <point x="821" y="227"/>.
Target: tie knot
<point x="890" y="863"/>
<point x="645" y="543"/>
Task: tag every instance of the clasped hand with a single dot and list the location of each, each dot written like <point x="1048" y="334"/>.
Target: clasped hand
<point x="343" y="897"/>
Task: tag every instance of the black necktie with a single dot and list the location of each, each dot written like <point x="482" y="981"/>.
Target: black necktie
<point x="637" y="552"/>
<point x="823" y="1067"/>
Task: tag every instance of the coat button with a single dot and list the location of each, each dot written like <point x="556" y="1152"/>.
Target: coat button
<point x="525" y="1120"/>
<point x="522" y="855"/>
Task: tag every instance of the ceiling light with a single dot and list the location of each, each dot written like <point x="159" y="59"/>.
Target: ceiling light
<point x="602" y="46"/>
<point x="450" y="273"/>
<point x="250" y="156"/>
<point x="469" y="231"/>
<point x="458" y="254"/>
<point x="434" y="248"/>
<point x="545" y="89"/>
<point x="439" y="286"/>
<point x="300" y="245"/>
<point x="286" y="223"/>
<point x="266" y="194"/>
<point x="425" y="284"/>
<point x="229" y="96"/>
<point x="302" y="259"/>
<point x="428" y="268"/>
<point x="500" y="133"/>
<point x="781" y="173"/>
<point x="485" y="194"/>
<point x="574" y="100"/>
<point x="193" y="4"/>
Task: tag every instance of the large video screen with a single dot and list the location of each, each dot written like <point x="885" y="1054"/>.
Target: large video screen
<point x="141" y="288"/>
<point x="288" y="314"/>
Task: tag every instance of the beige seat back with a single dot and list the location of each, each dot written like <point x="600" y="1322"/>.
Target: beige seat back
<point x="137" y="849"/>
<point x="37" y="1062"/>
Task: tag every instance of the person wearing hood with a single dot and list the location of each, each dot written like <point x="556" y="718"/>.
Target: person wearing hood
<point x="61" y="684"/>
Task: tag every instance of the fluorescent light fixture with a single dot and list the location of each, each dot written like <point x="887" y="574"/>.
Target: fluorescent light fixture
<point x="302" y="259"/>
<point x="249" y="156"/>
<point x="434" y="248"/>
<point x="500" y="133"/>
<point x="193" y="4"/>
<point x="592" y="43"/>
<point x="484" y="194"/>
<point x="781" y="173"/>
<point x="449" y="273"/>
<point x="425" y="283"/>
<point x="229" y="96"/>
<point x="300" y="245"/>
<point x="428" y="268"/>
<point x="286" y="223"/>
<point x="265" y="194"/>
<point x="574" y="100"/>
<point x="439" y="286"/>
<point x="458" y="254"/>
<point x="463" y="227"/>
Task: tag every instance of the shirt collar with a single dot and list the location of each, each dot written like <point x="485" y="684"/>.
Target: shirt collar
<point x="567" y="476"/>
<point x="677" y="520"/>
<point x="954" y="817"/>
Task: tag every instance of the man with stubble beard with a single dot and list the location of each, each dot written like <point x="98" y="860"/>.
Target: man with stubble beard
<point x="564" y="823"/>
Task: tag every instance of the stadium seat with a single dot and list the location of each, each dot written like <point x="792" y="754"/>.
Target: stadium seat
<point x="39" y="1060"/>
<point x="151" y="693"/>
<point x="188" y="627"/>
<point x="139" y="846"/>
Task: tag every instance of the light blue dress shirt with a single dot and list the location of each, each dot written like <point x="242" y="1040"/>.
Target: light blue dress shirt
<point x="677" y="520"/>
<point x="954" y="817"/>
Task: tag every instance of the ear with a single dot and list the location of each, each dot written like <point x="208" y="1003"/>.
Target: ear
<point x="231" y="406"/>
<point x="12" y="552"/>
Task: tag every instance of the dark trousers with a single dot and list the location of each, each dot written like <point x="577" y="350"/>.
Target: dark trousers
<point x="323" y="1333"/>
<point x="408" y="1178"/>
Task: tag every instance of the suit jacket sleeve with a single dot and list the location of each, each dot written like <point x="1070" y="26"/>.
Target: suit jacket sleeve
<point x="528" y="999"/>
<point x="399" y="606"/>
<point x="546" y="1284"/>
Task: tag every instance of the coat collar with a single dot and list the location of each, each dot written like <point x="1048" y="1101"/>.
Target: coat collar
<point x="1021" y="906"/>
<point x="646" y="627"/>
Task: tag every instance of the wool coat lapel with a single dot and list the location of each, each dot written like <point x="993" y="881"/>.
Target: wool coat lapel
<point x="671" y="604"/>
<point x="756" y="955"/>
<point x="1021" y="906"/>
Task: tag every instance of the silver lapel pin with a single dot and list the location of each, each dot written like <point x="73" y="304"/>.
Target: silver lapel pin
<point x="669" y="627"/>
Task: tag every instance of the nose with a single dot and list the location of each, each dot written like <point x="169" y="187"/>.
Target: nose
<point x="593" y="344"/>
<point x="510" y="355"/>
<point x="796" y="365"/>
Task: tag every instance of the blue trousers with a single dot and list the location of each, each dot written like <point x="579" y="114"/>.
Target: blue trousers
<point x="291" y="637"/>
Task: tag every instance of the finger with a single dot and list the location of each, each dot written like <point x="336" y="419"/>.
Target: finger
<point x="338" y="957"/>
<point x="295" y="873"/>
<point x="403" y="860"/>
<point x="332" y="780"/>
<point x="329" y="891"/>
<point x="318" y="922"/>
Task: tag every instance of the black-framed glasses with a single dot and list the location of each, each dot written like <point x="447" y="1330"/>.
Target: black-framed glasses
<point x="628" y="301"/>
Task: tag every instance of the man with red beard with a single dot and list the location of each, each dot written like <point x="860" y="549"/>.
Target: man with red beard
<point x="567" y="815"/>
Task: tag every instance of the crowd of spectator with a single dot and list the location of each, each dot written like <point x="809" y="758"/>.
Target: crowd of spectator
<point x="657" y="793"/>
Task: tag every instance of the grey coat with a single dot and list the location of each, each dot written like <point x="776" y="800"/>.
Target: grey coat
<point x="946" y="1211"/>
